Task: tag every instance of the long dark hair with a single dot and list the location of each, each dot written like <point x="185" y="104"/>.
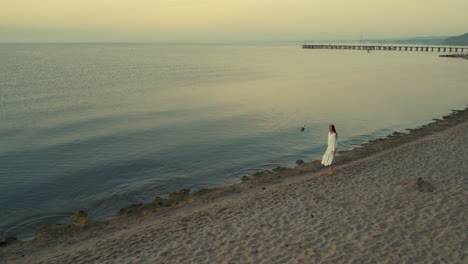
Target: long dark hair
<point x="334" y="130"/>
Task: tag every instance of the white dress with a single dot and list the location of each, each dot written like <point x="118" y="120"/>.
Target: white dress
<point x="327" y="158"/>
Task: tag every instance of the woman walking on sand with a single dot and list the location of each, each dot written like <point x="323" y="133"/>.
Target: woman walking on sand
<point x="327" y="158"/>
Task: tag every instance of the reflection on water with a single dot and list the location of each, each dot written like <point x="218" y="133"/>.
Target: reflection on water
<point x="100" y="126"/>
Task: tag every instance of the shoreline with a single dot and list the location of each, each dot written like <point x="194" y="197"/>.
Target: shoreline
<point x="364" y="150"/>
<point x="183" y="199"/>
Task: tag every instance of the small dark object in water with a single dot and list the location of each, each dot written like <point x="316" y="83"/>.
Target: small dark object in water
<point x="302" y="129"/>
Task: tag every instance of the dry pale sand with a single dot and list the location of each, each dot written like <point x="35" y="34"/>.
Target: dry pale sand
<point x="371" y="211"/>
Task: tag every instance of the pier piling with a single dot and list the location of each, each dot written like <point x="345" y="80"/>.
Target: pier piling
<point x="384" y="47"/>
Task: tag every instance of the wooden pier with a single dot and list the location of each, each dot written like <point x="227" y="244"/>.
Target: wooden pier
<point x="386" y="47"/>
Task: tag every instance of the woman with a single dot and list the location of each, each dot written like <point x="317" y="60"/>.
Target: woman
<point x="327" y="158"/>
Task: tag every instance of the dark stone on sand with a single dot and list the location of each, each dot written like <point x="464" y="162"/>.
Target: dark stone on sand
<point x="8" y="241"/>
<point x="245" y="178"/>
<point x="174" y="198"/>
<point x="141" y="209"/>
<point x="424" y="186"/>
<point x="299" y="162"/>
<point x="260" y="176"/>
<point x="205" y="191"/>
<point x="181" y="195"/>
<point x="420" y="185"/>
<point x="261" y="173"/>
<point x="134" y="209"/>
<point x="159" y="201"/>
<point x="50" y="232"/>
<point x="279" y="169"/>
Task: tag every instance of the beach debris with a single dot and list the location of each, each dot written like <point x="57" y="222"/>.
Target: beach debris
<point x="222" y="210"/>
<point x="258" y="176"/>
<point x="79" y="222"/>
<point x="279" y="169"/>
<point x="7" y="241"/>
<point x="179" y="196"/>
<point x="205" y="191"/>
<point x="312" y="216"/>
<point x="80" y="217"/>
<point x="420" y="185"/>
<point x="159" y="201"/>
<point x="245" y="178"/>
<point x="396" y="133"/>
<point x="424" y="186"/>
<point x="134" y="209"/>
<point x="50" y="232"/>
<point x="299" y="162"/>
<point x="261" y="173"/>
<point x="141" y="209"/>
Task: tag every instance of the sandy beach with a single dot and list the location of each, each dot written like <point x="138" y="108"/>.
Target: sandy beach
<point x="401" y="204"/>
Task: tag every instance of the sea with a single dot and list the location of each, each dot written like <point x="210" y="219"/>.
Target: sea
<point x="100" y="126"/>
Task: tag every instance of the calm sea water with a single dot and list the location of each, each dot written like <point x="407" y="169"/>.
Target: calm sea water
<point x="97" y="127"/>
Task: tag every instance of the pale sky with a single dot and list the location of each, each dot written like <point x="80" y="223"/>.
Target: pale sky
<point x="227" y="20"/>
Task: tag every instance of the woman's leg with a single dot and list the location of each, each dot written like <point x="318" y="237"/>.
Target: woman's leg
<point x="331" y="171"/>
